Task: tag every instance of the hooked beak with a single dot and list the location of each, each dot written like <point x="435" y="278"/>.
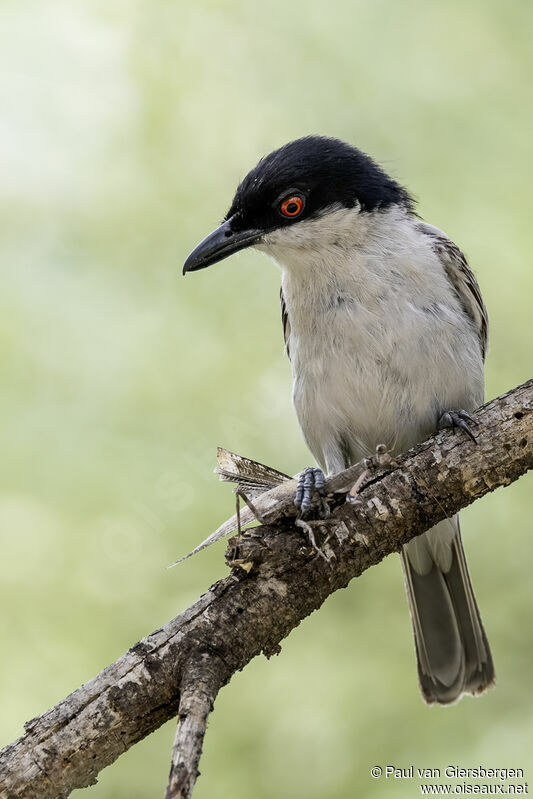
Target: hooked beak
<point x="218" y="245"/>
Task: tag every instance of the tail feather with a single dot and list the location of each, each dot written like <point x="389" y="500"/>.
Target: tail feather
<point x="453" y="654"/>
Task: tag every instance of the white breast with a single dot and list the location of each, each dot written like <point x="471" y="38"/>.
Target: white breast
<point x="379" y="343"/>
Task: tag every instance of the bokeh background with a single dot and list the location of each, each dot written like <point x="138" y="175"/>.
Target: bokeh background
<point x="125" y="127"/>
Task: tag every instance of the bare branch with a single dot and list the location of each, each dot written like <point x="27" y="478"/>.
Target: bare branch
<point x="198" y="694"/>
<point x="277" y="580"/>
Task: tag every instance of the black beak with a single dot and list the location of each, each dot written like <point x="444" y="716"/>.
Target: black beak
<point x="218" y="245"/>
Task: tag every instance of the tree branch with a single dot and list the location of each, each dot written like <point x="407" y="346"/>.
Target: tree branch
<point x="198" y="691"/>
<point x="276" y="581"/>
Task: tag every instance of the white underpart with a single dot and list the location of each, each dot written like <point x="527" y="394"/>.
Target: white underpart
<point x="380" y="345"/>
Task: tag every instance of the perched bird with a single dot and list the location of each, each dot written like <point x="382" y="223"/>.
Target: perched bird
<point x="386" y="332"/>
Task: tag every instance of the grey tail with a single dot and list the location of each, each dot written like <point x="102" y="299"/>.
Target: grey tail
<point x="453" y="654"/>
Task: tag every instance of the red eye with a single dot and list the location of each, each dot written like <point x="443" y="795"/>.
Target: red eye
<point x="292" y="206"/>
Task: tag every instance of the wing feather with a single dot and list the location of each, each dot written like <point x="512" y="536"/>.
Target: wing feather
<point x="462" y="279"/>
<point x="285" y="323"/>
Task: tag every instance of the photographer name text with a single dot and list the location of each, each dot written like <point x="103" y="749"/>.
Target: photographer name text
<point x="450" y="772"/>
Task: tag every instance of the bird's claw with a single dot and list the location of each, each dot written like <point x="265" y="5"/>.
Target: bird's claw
<point x="311" y="481"/>
<point x="457" y="419"/>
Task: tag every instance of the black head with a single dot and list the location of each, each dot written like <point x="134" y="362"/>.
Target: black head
<point x="301" y="180"/>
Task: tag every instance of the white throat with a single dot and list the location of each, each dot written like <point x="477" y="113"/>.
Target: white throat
<point x="344" y="256"/>
<point x="358" y="289"/>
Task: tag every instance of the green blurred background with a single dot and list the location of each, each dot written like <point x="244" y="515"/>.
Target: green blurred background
<point x="124" y="130"/>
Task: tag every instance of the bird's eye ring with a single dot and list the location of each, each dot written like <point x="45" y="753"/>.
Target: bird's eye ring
<point x="292" y="206"/>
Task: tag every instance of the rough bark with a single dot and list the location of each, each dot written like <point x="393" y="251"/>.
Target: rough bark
<point x="197" y="694"/>
<point x="277" y="579"/>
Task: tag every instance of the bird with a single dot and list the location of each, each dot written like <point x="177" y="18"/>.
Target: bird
<point x="386" y="332"/>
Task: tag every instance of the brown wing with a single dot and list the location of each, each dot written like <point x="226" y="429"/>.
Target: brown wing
<point x="462" y="279"/>
<point x="285" y="323"/>
<point x="253" y="478"/>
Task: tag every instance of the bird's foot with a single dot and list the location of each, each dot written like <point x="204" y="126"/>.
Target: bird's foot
<point x="310" y="482"/>
<point x="457" y="419"/>
<point x="381" y="460"/>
